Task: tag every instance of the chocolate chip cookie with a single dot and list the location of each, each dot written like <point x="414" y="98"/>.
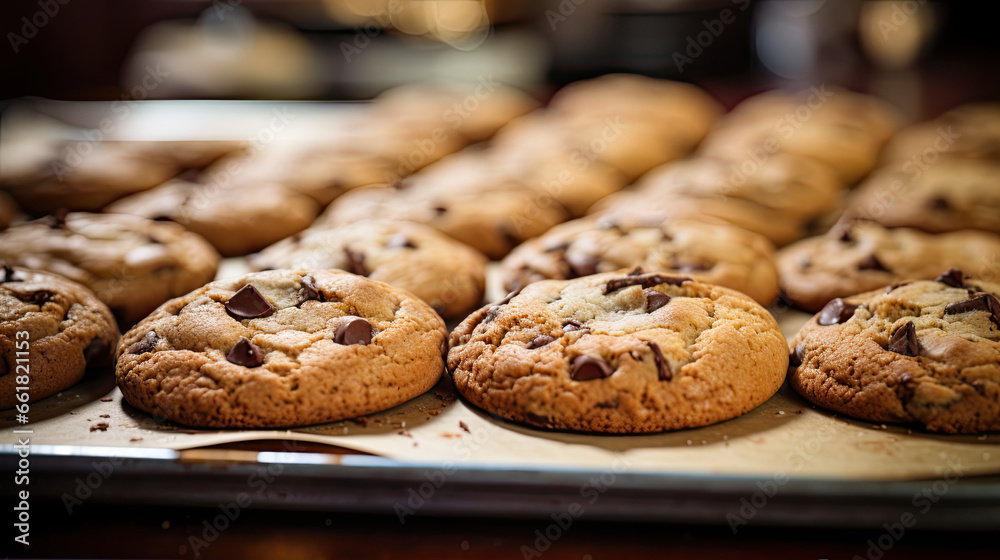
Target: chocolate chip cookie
<point x="859" y="256"/>
<point x="51" y="331"/>
<point x="235" y="220"/>
<point x="969" y="131"/>
<point x="715" y="253"/>
<point x="448" y="275"/>
<point x="949" y="195"/>
<point x="131" y="263"/>
<point x="623" y="352"/>
<point x="492" y="222"/>
<point x="925" y="352"/>
<point x="281" y="348"/>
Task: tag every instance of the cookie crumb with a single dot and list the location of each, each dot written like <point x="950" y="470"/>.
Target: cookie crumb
<point x="105" y="416"/>
<point x="102" y="426"/>
<point x="781" y="412"/>
<point x="909" y="432"/>
<point x="414" y="444"/>
<point x="107" y="399"/>
<point x="703" y="442"/>
<point x="405" y="433"/>
<point x="465" y="427"/>
<point x="798" y="412"/>
<point x="450" y="435"/>
<point x="135" y="439"/>
<point x="361" y="420"/>
<point x="725" y="437"/>
<point x="403" y="424"/>
<point x="689" y="442"/>
<point x="883" y="426"/>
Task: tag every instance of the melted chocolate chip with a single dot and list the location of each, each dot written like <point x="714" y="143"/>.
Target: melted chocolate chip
<point x="248" y="303"/>
<point x="585" y="368"/>
<point x="492" y="313"/>
<point x="40" y="297"/>
<point x="357" y="331"/>
<point x="355" y="262"/>
<point x="310" y="291"/>
<point x="400" y="241"/>
<point x="904" y="340"/>
<point x="644" y="280"/>
<point x="655" y="299"/>
<point x="836" y="312"/>
<point x="96" y="353"/>
<point x="984" y="302"/>
<point x="584" y="265"/>
<point x="246" y="354"/>
<point x="662" y="367"/>
<point x="795" y="358"/>
<point x="57" y="219"/>
<point x="7" y="274"/>
<point x="540" y="341"/>
<point x="146" y="344"/>
<point x="570" y="325"/>
<point x="871" y="262"/>
<point x="953" y="277"/>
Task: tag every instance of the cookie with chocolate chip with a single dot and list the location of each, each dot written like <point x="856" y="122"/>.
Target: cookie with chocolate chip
<point x="51" y="331"/>
<point x="948" y="195"/>
<point x="858" y="256"/>
<point x="281" y="348"/>
<point x="925" y="352"/>
<point x="131" y="263"/>
<point x="493" y="222"/>
<point x="717" y="253"/>
<point x="445" y="273"/>
<point x="620" y="352"/>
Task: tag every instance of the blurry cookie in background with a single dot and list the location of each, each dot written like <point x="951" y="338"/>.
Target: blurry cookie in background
<point x="840" y="128"/>
<point x="8" y="210"/>
<point x="949" y="195"/>
<point x="969" y="131"/>
<point x="132" y="264"/>
<point x="235" y="220"/>
<point x="856" y="257"/>
<point x="779" y="198"/>
<point x="716" y="253"/>
<point x="493" y="222"/>
<point x="68" y="331"/>
<point x="450" y="276"/>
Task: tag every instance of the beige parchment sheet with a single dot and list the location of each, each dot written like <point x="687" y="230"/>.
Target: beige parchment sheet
<point x="786" y="436"/>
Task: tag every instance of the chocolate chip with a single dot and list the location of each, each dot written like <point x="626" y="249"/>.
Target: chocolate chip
<point x="889" y="289"/>
<point x="836" y="312"/>
<point x="146" y="344"/>
<point x="904" y="340"/>
<point x="246" y="354"/>
<point x="57" y="219"/>
<point x="953" y="277"/>
<point x="655" y="299"/>
<point x="662" y="367"/>
<point x="41" y="296"/>
<point x="845" y="236"/>
<point x="492" y="313"/>
<point x="871" y="262"/>
<point x="248" y="303"/>
<point x="581" y="265"/>
<point x="399" y="241"/>
<point x="357" y="331"/>
<point x="7" y="274"/>
<point x="585" y="368"/>
<point x="984" y="302"/>
<point x="795" y="358"/>
<point x="939" y="203"/>
<point x="540" y="341"/>
<point x="570" y="325"/>
<point x="310" y="290"/>
<point x="96" y="353"/>
<point x="355" y="262"/>
<point x="644" y="280"/>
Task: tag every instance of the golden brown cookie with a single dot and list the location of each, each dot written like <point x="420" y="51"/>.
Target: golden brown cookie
<point x="620" y="353"/>
<point x="281" y="348"/>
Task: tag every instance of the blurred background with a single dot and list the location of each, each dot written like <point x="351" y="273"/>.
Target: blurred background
<point x="925" y="56"/>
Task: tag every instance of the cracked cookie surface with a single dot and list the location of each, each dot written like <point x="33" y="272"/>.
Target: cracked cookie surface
<point x="714" y="253"/>
<point x="622" y="352"/>
<point x="281" y="348"/>
<point x="68" y="331"/>
<point x="447" y="274"/>
<point x="925" y="352"/>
